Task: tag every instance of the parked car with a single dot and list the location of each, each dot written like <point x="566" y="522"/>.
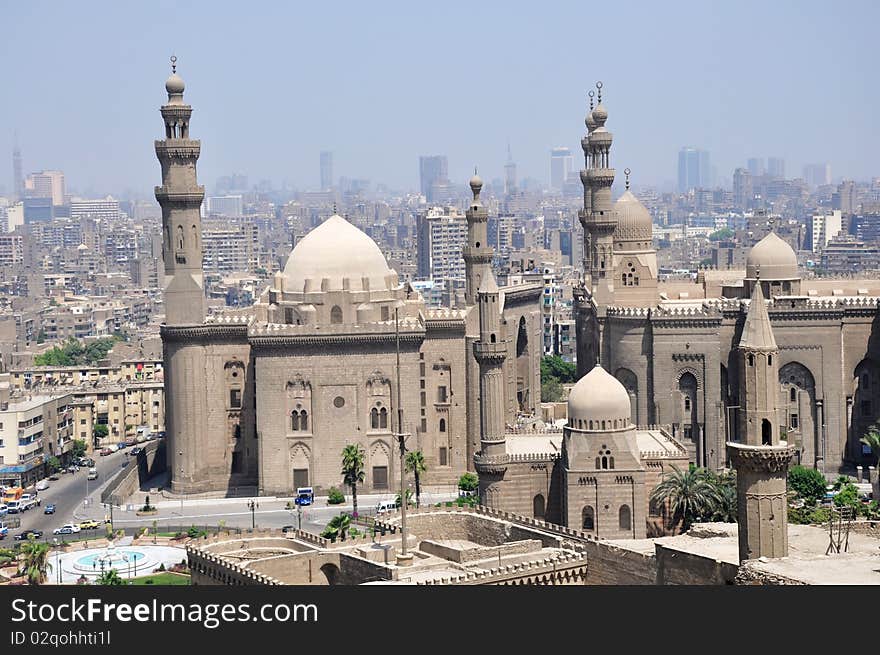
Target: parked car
<point x="135" y="451"/>
<point x="31" y="500"/>
<point x="4" y="510"/>
<point x="50" y="509"/>
<point x="42" y="485"/>
<point x="106" y="451"/>
<point x="4" y="530"/>
<point x="91" y="524"/>
<point x="25" y="535"/>
<point x="54" y="477"/>
<point x="68" y="528"/>
<point x="121" y="445"/>
<point x="93" y="474"/>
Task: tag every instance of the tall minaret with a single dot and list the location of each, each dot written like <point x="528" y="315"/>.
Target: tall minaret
<point x="180" y="197"/>
<point x="17" y="179"/>
<point x="490" y="351"/>
<point x="601" y="221"/>
<point x="477" y="254"/>
<point x="759" y="457"/>
<point x="584" y="214"/>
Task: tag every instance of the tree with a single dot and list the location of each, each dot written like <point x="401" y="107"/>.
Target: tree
<point x="872" y="440"/>
<point x="100" y="431"/>
<point x="353" y="471"/>
<point x="554" y="366"/>
<point x="409" y="498"/>
<point x="415" y="463"/>
<point x="725" y="485"/>
<point x="53" y="464"/>
<point x="110" y="578"/>
<point x="690" y="494"/>
<point x="551" y="391"/>
<point x="79" y="448"/>
<point x="469" y="482"/>
<point x="721" y="235"/>
<point x="337" y="527"/>
<point x="35" y="561"/>
<point x="809" y="484"/>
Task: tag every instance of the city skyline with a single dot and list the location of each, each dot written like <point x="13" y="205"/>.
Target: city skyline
<point x="333" y="104"/>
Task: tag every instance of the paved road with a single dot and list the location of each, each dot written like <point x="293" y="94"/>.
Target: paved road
<point x="67" y="493"/>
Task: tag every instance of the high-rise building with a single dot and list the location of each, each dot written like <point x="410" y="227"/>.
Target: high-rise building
<point x="509" y="174"/>
<point x="844" y="198"/>
<point x="17" y="181"/>
<point x="103" y="210"/>
<point x="47" y="184"/>
<point x="326" y="170"/>
<point x="433" y="172"/>
<point x="561" y="163"/>
<point x="816" y="175"/>
<point x="776" y="167"/>
<point x="694" y="170"/>
<point x="756" y="166"/>
<point x="229" y="206"/>
<point x="441" y="237"/>
<point x="825" y="227"/>
<point x="743" y="192"/>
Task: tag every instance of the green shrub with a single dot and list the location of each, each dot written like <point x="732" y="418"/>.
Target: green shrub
<point x="195" y="533"/>
<point x="809" y="484"/>
<point x="335" y="496"/>
<point x="469" y="482"/>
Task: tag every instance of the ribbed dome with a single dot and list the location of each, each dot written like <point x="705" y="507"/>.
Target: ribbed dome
<point x="633" y="219"/>
<point x="774" y="258"/>
<point x="598" y="397"/>
<point x="335" y="251"/>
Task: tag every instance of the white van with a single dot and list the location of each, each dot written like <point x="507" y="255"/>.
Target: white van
<point x="93" y="474"/>
<point x="42" y="485"/>
<point x="386" y="506"/>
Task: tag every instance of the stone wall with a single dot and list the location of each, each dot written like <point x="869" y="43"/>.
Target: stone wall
<point x="675" y="567"/>
<point x="150" y="463"/>
<point x="611" y="565"/>
<point x="473" y="554"/>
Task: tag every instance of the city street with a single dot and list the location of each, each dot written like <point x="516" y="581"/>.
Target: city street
<point x="67" y="493"/>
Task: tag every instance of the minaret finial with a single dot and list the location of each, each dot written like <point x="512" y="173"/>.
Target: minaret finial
<point x="334" y="208"/>
<point x="591" y="94"/>
<point x="599" y="95"/>
<point x="173" y="64"/>
<point x="626" y="172"/>
<point x="771" y="222"/>
<point x="758" y="273"/>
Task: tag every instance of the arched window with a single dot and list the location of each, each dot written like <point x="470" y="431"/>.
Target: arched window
<point x="766" y="433"/>
<point x="336" y="315"/>
<point x="598" y="463"/>
<point x="687" y="403"/>
<point x="604" y="462"/>
<point x="442" y="425"/>
<point x="383" y="418"/>
<point x="538" y="506"/>
<point x="769" y="360"/>
<point x="603" y="425"/>
<point x="611" y="462"/>
<point x="751" y="360"/>
<point x="792" y="394"/>
<point x="374" y="418"/>
<point x="180" y="237"/>
<point x="591" y="424"/>
<point x="294" y="421"/>
<point x="625" y="518"/>
<point x="588" y="518"/>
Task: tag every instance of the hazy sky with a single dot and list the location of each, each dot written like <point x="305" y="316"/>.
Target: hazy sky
<point x="380" y="83"/>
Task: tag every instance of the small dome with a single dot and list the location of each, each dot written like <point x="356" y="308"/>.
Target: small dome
<point x="590" y="122"/>
<point x="597" y="397"/>
<point x="633" y="220"/>
<point x="599" y="116"/>
<point x="336" y="251"/>
<point x="174" y="85"/>
<point x="476" y="184"/>
<point x="773" y="258"/>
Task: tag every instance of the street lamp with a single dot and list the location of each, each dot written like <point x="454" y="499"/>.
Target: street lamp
<point x="253" y="505"/>
<point x="57" y="557"/>
<point x="127" y="562"/>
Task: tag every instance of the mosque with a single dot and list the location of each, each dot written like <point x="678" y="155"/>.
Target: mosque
<point x="269" y="398"/>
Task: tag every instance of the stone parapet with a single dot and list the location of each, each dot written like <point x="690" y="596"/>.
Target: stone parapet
<point x="760" y="458"/>
<point x="562" y="568"/>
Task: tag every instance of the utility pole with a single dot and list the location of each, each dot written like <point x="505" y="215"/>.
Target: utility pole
<point x="403" y="559"/>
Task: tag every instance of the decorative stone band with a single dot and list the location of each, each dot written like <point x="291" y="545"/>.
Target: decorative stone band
<point x="192" y="196"/>
<point x="760" y="458"/>
<point x="213" y="332"/>
<point x="485" y="351"/>
<point x="759" y="496"/>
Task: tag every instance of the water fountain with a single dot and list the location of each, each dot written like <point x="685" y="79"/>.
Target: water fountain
<point x="132" y="561"/>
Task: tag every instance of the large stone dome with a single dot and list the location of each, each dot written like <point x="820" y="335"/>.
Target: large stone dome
<point x="598" y="402"/>
<point x="633" y="219"/>
<point x="334" y="256"/>
<point x="774" y="258"/>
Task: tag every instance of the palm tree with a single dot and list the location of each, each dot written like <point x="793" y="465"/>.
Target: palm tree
<point x="337" y="527"/>
<point x="35" y="563"/>
<point x="690" y="494"/>
<point x="353" y="471"/>
<point x="725" y="485"/>
<point x="872" y="439"/>
<point x="110" y="578"/>
<point x="415" y="462"/>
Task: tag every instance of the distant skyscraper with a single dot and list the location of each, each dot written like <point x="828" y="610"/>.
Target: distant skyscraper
<point x="560" y="167"/>
<point x="756" y="166"/>
<point x="742" y="188"/>
<point x="776" y="167"/>
<point x="326" y="170"/>
<point x="844" y="198"/>
<point x="17" y="180"/>
<point x="509" y="174"/>
<point x="817" y="174"/>
<point x="693" y="169"/>
<point x="48" y="184"/>
<point x="432" y="172"/>
<point x="229" y="206"/>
